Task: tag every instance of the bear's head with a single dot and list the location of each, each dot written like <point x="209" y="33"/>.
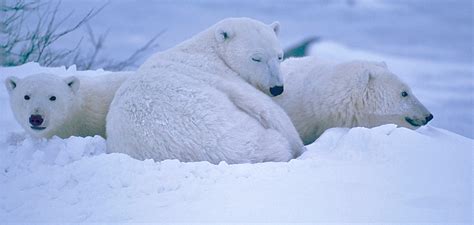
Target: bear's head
<point x="251" y="49"/>
<point x="41" y="102"/>
<point x="382" y="97"/>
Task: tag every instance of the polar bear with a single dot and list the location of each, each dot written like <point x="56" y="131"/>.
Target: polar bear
<point x="47" y="105"/>
<point x="320" y="95"/>
<point x="203" y="100"/>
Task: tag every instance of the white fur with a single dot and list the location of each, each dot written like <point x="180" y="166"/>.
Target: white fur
<point x="79" y="109"/>
<point x="196" y="102"/>
<point x="320" y="95"/>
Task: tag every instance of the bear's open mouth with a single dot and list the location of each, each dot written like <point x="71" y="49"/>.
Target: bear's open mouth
<point x="38" y="128"/>
<point x="412" y="122"/>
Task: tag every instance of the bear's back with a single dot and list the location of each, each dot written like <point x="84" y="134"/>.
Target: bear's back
<point x="186" y="113"/>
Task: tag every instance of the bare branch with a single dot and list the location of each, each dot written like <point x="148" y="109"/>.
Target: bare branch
<point x="20" y="43"/>
<point x="97" y="44"/>
<point x="21" y="47"/>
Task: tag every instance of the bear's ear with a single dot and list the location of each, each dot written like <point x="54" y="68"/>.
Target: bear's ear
<point x="73" y="83"/>
<point x="223" y="33"/>
<point x="382" y="64"/>
<point x="275" y="27"/>
<point x="11" y="83"/>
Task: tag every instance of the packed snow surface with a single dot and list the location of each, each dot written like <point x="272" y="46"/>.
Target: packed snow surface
<point x="384" y="174"/>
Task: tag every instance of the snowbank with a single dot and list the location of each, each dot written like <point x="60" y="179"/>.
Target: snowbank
<point x="384" y="174"/>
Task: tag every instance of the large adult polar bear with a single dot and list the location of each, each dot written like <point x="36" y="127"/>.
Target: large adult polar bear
<point x="47" y="105"/>
<point x="320" y="95"/>
<point x="198" y="101"/>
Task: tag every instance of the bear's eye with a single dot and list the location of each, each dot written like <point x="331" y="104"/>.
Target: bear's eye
<point x="404" y="94"/>
<point x="52" y="98"/>
<point x="26" y="97"/>
<point x="280" y="57"/>
<point x="256" y="59"/>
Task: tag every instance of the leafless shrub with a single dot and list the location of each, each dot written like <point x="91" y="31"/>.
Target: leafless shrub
<point x="20" y="44"/>
<point x="91" y="60"/>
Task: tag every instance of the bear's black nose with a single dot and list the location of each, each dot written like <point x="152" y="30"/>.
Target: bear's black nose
<point x="36" y="120"/>
<point x="276" y="90"/>
<point x="429" y="118"/>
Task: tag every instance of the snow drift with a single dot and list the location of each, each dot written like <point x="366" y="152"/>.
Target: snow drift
<point x="384" y="174"/>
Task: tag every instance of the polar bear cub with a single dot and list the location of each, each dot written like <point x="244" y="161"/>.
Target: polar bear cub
<point x="320" y="95"/>
<point x="47" y="105"/>
<point x="204" y="100"/>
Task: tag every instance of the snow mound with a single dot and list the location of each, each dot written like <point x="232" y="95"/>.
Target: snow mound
<point x="56" y="151"/>
<point x="384" y="174"/>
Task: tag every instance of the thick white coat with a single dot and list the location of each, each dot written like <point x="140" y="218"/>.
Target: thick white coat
<point x="79" y="107"/>
<point x="189" y="103"/>
<point x="320" y="95"/>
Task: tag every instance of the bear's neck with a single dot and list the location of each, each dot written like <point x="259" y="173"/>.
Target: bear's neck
<point x="201" y="52"/>
<point x="302" y="99"/>
<point x="75" y="121"/>
<point x="317" y="108"/>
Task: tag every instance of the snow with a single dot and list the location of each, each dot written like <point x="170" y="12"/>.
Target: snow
<point x="379" y="175"/>
<point x="385" y="174"/>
